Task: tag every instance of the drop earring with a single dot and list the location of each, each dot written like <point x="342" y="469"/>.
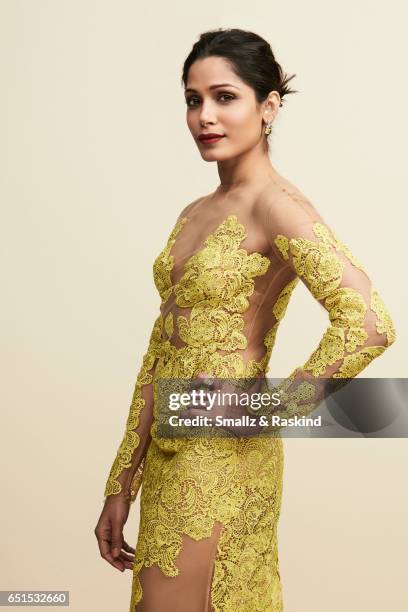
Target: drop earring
<point x="268" y="128"/>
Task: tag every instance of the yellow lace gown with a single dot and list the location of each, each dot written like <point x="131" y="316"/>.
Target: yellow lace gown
<point x="209" y="508"/>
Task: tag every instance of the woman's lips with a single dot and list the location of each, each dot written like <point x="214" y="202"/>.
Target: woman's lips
<point x="211" y="140"/>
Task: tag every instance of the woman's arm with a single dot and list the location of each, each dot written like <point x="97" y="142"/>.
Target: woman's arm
<point x="126" y="472"/>
<point x="360" y="326"/>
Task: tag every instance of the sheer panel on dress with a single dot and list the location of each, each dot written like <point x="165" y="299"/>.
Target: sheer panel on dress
<point x="360" y="327"/>
<point x="190" y="590"/>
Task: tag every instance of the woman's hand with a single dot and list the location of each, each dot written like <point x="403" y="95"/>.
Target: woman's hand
<point x="230" y="410"/>
<point x="109" y="533"/>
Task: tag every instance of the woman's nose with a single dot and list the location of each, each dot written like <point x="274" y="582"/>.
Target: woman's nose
<point x="207" y="115"/>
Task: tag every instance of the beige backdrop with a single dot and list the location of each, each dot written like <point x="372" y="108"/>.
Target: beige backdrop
<point x="96" y="163"/>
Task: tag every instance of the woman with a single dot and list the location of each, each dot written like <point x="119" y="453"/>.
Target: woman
<point x="210" y="506"/>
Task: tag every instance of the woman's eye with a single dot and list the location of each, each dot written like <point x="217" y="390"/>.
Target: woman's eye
<point x="229" y="96"/>
<point x="189" y="100"/>
<point x="224" y="95"/>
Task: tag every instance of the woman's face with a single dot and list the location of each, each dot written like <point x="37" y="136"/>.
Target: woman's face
<point x="219" y="102"/>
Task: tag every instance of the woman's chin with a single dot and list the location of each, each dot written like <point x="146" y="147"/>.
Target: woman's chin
<point x="212" y="156"/>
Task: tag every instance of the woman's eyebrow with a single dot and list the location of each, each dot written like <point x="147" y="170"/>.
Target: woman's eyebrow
<point x="212" y="87"/>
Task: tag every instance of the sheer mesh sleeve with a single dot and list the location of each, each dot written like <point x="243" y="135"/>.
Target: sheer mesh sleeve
<point x="360" y="326"/>
<point x="127" y="470"/>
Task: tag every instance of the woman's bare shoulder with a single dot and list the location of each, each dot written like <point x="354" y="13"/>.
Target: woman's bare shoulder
<point x="278" y="195"/>
<point x="187" y="209"/>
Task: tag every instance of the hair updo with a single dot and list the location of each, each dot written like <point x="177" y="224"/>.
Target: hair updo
<point x="250" y="56"/>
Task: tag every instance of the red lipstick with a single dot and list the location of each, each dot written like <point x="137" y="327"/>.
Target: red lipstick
<point x="210" y="137"/>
